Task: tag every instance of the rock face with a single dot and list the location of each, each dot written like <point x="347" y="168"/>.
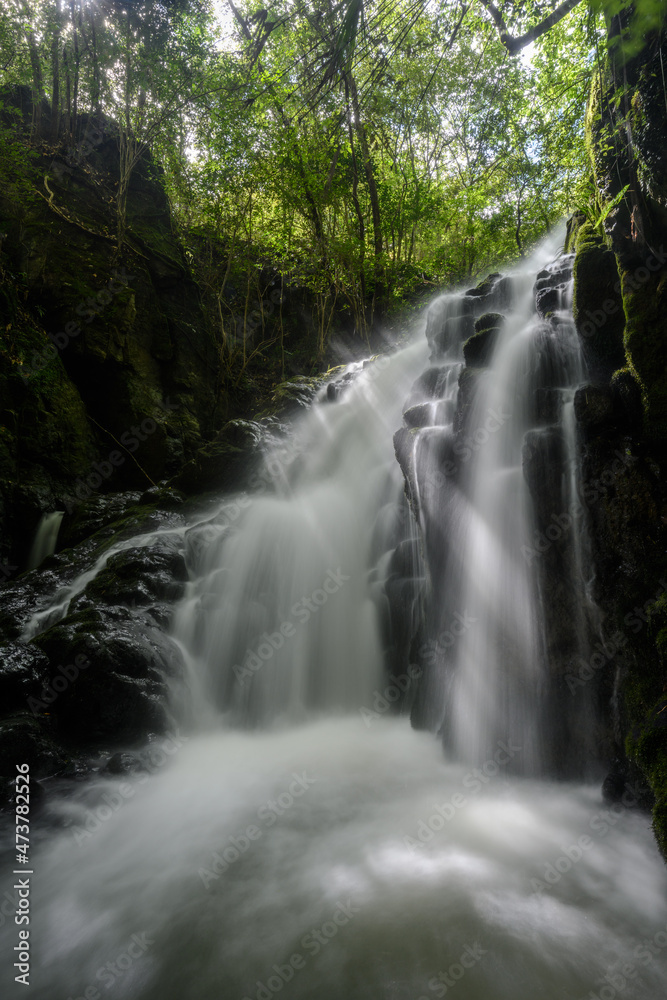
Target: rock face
<point x="105" y="674"/>
<point x="620" y="275"/>
<point x="111" y="375"/>
<point x="108" y="377"/>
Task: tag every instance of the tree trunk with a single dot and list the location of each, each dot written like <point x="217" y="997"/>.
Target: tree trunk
<point x="37" y="80"/>
<point x="55" y="87"/>
<point x="372" y="188"/>
<point x="75" y="83"/>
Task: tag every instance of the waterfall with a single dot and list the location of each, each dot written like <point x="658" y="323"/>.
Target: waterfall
<point x="300" y="837"/>
<point x="494" y="471"/>
<point x="46" y="538"/>
<point x="282" y="618"/>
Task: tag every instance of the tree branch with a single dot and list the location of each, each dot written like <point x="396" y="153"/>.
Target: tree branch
<point x="514" y="45"/>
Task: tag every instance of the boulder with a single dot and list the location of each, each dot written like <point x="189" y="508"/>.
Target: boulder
<point x="120" y="689"/>
<point x="478" y="350"/>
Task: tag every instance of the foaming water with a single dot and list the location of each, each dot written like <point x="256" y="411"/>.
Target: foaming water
<point x="282" y="617"/>
<point x="339" y="860"/>
<point x="517" y="421"/>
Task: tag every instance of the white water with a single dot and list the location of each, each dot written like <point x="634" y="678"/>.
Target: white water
<point x="407" y="865"/>
<point x="282" y="620"/>
<point x="149" y="869"/>
<point x="46" y="538"/>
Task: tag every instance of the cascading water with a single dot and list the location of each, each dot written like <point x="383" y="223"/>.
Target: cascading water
<point x="46" y="538"/>
<point x="517" y="389"/>
<point x="283" y="618"/>
<point x="343" y="857"/>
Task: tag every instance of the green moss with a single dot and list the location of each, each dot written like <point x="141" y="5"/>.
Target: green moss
<point x="574" y="224"/>
<point x="597" y="303"/>
<point x="647" y="747"/>
<point x="645" y="337"/>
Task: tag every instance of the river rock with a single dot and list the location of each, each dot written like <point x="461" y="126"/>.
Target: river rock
<point x="122" y="668"/>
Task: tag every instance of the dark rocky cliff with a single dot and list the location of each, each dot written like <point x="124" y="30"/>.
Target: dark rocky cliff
<point x="620" y="307"/>
<point x="107" y="369"/>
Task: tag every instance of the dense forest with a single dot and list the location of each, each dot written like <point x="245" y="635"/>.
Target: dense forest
<point x="365" y="151"/>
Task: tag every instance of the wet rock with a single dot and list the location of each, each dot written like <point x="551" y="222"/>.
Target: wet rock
<point x="247" y="434"/>
<point x="220" y="465"/>
<point x="448" y="334"/>
<point x="485" y="286"/>
<point x="594" y="407"/>
<point x="201" y="539"/>
<point x="163" y="497"/>
<point x="543" y="466"/>
<point x="90" y="516"/>
<point x="478" y="350"/>
<point x="406" y="561"/>
<point x="550" y="300"/>
<point x="489" y="321"/>
<point x="27" y="740"/>
<point x="419" y="416"/>
<point x="628" y="400"/>
<point x="33" y="591"/>
<point x="23" y="671"/>
<point x="120" y="690"/>
<point x="557" y="273"/>
<point x="140" y="576"/>
<point x="469" y="380"/>
<point x="547" y="406"/>
<point x="404" y="448"/>
<point x="429" y="384"/>
<point x="597" y="304"/>
<point x="297" y="394"/>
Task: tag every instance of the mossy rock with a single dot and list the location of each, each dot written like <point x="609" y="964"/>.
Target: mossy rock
<point x="139" y="576"/>
<point x="648" y="749"/>
<point x="628" y="395"/>
<point x="597" y="304"/>
<point x="420" y="415"/>
<point x="485" y="286"/>
<point x="489" y="321"/>
<point x="478" y="350"/>
<point x="645" y="339"/>
<point x="594" y="407"/>
<point x="123" y="691"/>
